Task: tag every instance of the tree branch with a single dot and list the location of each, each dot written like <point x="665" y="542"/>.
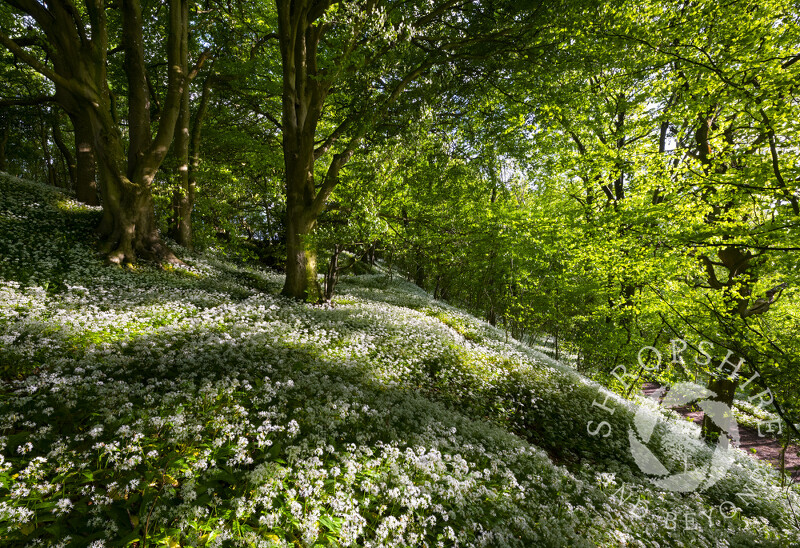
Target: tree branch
<point x="712" y="275"/>
<point x="773" y="150"/>
<point x="26" y="101"/>
<point x="153" y="94"/>
<point x="260" y="42"/>
<point x="341" y="158"/>
<point x="332" y="175"/>
<point x="318" y="8"/>
<point x="35" y="10"/>
<point x="41" y="68"/>
<point x="762" y="304"/>
<point x="791" y="61"/>
<point x="177" y="79"/>
<point x="205" y="56"/>
<point x="76" y="18"/>
<point x="332" y="138"/>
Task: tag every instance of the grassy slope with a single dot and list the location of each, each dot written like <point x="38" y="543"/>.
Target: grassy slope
<point x="195" y="406"/>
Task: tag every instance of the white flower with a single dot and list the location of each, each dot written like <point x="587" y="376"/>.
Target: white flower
<point x="26" y="447"/>
<point x="62" y="506"/>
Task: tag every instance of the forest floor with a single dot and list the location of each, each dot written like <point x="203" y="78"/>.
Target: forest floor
<point x="764" y="448"/>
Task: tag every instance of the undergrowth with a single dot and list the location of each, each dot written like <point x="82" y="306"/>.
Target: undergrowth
<point x="196" y="407"/>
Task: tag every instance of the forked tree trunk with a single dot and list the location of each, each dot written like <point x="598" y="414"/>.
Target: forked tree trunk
<point x="130" y="230"/>
<point x="741" y="273"/>
<point x="303" y="97"/>
<point x="305" y="87"/>
<point x="79" y="55"/>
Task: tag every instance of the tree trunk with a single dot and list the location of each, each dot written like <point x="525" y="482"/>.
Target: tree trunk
<point x="332" y="276"/>
<point x="301" y="256"/>
<point x="69" y="159"/>
<point x="44" y="134"/>
<point x="181" y="221"/>
<point x="725" y="389"/>
<point x="3" y="143"/>
<point x="303" y="96"/>
<point x="130" y="229"/>
<point x="181" y="229"/>
<point x="85" y="176"/>
<point x="187" y="149"/>
<point x="305" y="88"/>
<point x="419" y="271"/>
<point x="736" y="290"/>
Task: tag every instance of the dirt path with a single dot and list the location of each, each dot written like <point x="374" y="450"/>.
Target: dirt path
<point x="765" y="448"/>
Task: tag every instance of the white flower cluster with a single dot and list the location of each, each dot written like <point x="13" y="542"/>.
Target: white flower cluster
<point x="195" y="406"/>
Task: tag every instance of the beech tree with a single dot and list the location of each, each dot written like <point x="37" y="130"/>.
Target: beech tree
<point x="367" y="56"/>
<point x="77" y="43"/>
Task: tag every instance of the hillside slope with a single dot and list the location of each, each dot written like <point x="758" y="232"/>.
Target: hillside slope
<point x="196" y="407"/>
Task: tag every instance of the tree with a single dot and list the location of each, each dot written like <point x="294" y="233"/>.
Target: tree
<point x="735" y="95"/>
<point x="368" y="56"/>
<point x="187" y="150"/>
<point x="77" y="42"/>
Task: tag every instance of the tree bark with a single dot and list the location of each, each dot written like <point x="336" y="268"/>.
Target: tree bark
<point x="85" y="176"/>
<point x="44" y="134"/>
<point x="181" y="223"/>
<point x="725" y="389"/>
<point x="301" y="255"/>
<point x="3" y="143"/>
<point x="69" y="159"/>
<point x="181" y="205"/>
<point x="332" y="276"/>
<point x="187" y="149"/>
